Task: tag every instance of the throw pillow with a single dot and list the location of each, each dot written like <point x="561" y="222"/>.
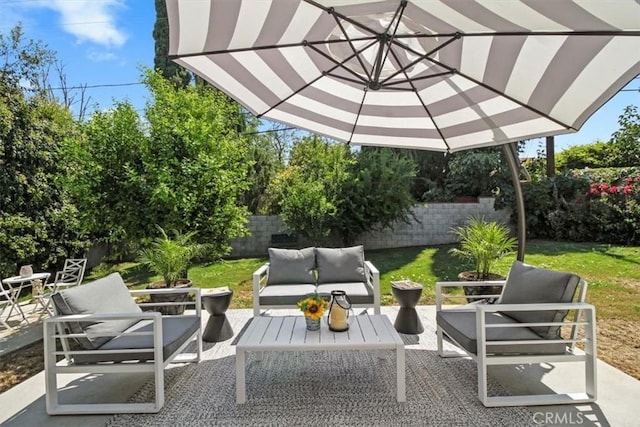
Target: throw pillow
<point x="340" y="265"/>
<point x="291" y="266"/>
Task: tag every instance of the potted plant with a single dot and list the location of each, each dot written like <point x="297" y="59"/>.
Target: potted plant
<point x="169" y="257"/>
<point x="483" y="243"/>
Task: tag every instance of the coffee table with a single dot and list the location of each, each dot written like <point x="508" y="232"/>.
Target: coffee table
<point x="289" y="333"/>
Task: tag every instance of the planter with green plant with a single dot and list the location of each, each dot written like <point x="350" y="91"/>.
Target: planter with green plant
<point x="483" y="243"/>
<point x="169" y="257"/>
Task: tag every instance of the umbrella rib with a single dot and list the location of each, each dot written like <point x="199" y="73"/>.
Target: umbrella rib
<point x="355" y="122"/>
<point x="421" y="56"/>
<point x="324" y="73"/>
<point x="387" y="40"/>
<point x="332" y="11"/>
<point x="341" y="64"/>
<point x="426" y="109"/>
<point x="501" y="93"/>
<point x="265" y="47"/>
<point x="353" y="48"/>
<point x="415" y="79"/>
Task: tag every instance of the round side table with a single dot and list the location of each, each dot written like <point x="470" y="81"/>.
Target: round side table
<point x="218" y="327"/>
<point x="407" y="293"/>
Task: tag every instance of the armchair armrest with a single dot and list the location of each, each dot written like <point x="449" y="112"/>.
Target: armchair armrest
<point x="440" y="296"/>
<point x="259" y="276"/>
<point x="373" y="280"/>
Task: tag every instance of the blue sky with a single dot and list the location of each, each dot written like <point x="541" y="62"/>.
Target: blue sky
<point x="105" y="42"/>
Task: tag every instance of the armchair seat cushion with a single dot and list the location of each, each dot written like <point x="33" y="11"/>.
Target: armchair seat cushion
<point x="284" y="294"/>
<point x="358" y="292"/>
<point x="176" y="330"/>
<point x="461" y="326"/>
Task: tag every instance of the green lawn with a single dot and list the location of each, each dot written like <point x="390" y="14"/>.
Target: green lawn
<point x="613" y="272"/>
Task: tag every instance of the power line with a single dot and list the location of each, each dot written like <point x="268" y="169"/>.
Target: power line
<point x="92" y="86"/>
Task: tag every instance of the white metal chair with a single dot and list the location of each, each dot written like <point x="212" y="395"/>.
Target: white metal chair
<point x="523" y="327"/>
<point x="71" y="275"/>
<point x="5" y="303"/>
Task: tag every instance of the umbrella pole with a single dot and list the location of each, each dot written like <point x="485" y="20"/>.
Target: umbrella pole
<point x="511" y="154"/>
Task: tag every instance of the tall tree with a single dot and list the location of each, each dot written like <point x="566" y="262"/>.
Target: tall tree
<point x="38" y="223"/>
<point x="161" y="61"/>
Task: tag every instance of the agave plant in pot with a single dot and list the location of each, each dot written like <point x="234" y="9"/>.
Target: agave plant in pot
<point x="483" y="243"/>
<point x="170" y="257"/>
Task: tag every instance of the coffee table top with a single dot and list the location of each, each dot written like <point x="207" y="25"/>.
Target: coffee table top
<point x="289" y="333"/>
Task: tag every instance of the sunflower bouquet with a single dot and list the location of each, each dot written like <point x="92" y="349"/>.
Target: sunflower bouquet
<point x="313" y="306"/>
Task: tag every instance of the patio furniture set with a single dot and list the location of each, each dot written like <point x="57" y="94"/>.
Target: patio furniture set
<point x="102" y="329"/>
<point x="71" y="274"/>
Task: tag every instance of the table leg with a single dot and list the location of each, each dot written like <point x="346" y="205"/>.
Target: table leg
<point x="15" y="295"/>
<point x="400" y="374"/>
<point x="241" y="396"/>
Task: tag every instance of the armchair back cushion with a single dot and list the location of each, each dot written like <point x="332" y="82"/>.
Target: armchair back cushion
<point x="106" y="295"/>
<point x="291" y="266"/>
<point x="340" y="265"/>
<point x="529" y="285"/>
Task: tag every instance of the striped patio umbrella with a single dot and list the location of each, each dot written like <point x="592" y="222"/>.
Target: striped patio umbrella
<point x="442" y="75"/>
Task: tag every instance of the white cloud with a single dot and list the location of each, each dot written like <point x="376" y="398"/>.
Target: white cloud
<point x="90" y="20"/>
<point x="101" y="56"/>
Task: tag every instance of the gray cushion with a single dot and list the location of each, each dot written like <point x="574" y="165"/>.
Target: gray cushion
<point x="291" y="266"/>
<point x="285" y="294"/>
<point x="530" y="285"/>
<point x="176" y="330"/>
<point x="358" y="292"/>
<point x="340" y="265"/>
<point x="461" y="326"/>
<point x="106" y="295"/>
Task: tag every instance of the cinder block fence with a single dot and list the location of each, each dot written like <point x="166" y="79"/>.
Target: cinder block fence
<point x="433" y="225"/>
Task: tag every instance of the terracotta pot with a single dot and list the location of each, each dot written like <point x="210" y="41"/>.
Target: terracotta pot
<point x="169" y="297"/>
<point x="471" y="276"/>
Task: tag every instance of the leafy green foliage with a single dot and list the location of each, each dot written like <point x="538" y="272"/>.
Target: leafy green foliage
<point x="161" y="61"/>
<point x="483" y="243"/>
<point x="377" y="194"/>
<point x="170" y="256"/>
<point x="307" y="192"/>
<point x="327" y="190"/>
<point x="38" y="222"/>
<point x="478" y="172"/>
<point x="622" y="150"/>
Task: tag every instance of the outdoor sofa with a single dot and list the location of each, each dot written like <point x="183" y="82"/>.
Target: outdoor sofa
<point x="101" y="329"/>
<point x="529" y="324"/>
<point x="291" y="274"/>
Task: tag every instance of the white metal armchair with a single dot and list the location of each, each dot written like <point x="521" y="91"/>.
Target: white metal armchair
<point x="525" y="326"/>
<point x="113" y="335"/>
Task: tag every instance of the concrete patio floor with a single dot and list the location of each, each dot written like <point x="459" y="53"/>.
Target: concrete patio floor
<point x="618" y="393"/>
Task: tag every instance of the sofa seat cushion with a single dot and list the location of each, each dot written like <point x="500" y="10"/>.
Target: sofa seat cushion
<point x="340" y="265"/>
<point x="461" y="326"/>
<point x="176" y="330"/>
<point x="291" y="266"/>
<point x="284" y="294"/>
<point x="106" y="295"/>
<point x="532" y="285"/>
<point x="358" y="292"/>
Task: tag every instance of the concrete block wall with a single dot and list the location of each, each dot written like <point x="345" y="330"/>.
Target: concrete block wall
<point x="433" y="225"/>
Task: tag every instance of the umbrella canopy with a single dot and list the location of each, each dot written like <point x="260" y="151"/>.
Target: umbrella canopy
<point x="438" y="75"/>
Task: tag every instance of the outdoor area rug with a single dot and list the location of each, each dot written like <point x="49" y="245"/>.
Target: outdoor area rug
<point x="353" y="388"/>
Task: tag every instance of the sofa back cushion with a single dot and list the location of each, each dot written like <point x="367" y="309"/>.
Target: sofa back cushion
<point x="340" y="265"/>
<point x="291" y="267"/>
<point x="530" y="285"/>
<point x="106" y="295"/>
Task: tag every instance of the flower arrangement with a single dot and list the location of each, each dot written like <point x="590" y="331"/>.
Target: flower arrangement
<point x="313" y="306"/>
